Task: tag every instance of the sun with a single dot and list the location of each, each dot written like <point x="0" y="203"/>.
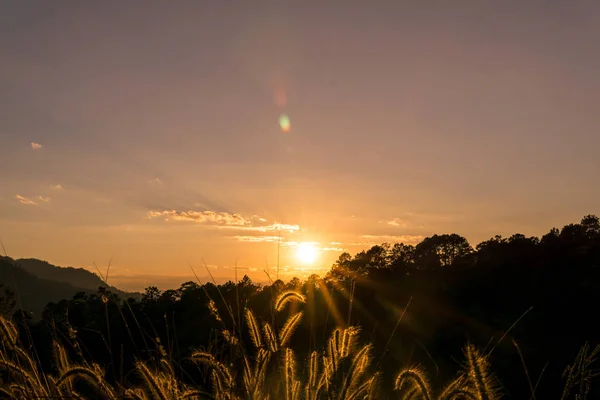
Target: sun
<point x="307" y="253"/>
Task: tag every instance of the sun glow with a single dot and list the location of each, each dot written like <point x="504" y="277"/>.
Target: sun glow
<point x="306" y="253"/>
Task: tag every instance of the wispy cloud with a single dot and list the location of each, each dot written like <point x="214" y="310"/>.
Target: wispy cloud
<point x="419" y="220"/>
<point x="25" y="200"/>
<point x="43" y="199"/>
<point x="155" y="181"/>
<point x="35" y="146"/>
<point x="378" y="239"/>
<point x="334" y="246"/>
<point x="398" y="222"/>
<point x="256" y="239"/>
<point x="273" y="228"/>
<point x="340" y="249"/>
<point x="223" y="220"/>
<point x="57" y="187"/>
<point x="202" y="217"/>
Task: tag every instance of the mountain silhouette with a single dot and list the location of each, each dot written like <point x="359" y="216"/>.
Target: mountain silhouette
<point x="36" y="283"/>
<point x="75" y="276"/>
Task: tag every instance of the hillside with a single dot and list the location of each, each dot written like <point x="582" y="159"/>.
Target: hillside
<point x="36" y="283"/>
<point x="32" y="292"/>
<point x="74" y="276"/>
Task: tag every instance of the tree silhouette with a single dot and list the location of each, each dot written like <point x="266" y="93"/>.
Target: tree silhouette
<point x="454" y="292"/>
<point x="8" y="300"/>
<point x="441" y="251"/>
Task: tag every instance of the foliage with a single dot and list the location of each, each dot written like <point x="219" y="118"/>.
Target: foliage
<point x="8" y="300"/>
<point x="416" y="306"/>
<point x="342" y="371"/>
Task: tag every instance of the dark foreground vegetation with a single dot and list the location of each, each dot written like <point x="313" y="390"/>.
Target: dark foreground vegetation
<point x="516" y="317"/>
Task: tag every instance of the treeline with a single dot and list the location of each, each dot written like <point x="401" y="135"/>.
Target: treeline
<point x="529" y="302"/>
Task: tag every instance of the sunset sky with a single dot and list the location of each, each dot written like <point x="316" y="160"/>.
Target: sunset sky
<point x="149" y="132"/>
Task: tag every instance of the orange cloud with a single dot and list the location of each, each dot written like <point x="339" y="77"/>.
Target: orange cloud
<point x="223" y="220"/>
<point x="25" y="200"/>
<point x="256" y="239"/>
<point x="35" y="146"/>
<point x="209" y="217"/>
<point x="398" y="222"/>
<point x="274" y="227"/>
<point x="378" y="239"/>
<point x="43" y="199"/>
<point x="340" y="249"/>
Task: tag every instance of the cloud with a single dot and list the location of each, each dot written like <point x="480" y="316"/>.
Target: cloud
<point x="282" y="227"/>
<point x="202" y="217"/>
<point x="35" y="146"/>
<point x="270" y="228"/>
<point x="256" y="239"/>
<point x="333" y="249"/>
<point x="25" y="200"/>
<point x="30" y="202"/>
<point x="296" y="244"/>
<point x="155" y="181"/>
<point x="378" y="239"/>
<point x="223" y="220"/>
<point x="334" y="246"/>
<point x="420" y="220"/>
<point x="57" y="187"/>
<point x="398" y="222"/>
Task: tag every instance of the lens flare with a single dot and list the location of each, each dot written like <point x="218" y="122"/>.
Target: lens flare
<point x="284" y="123"/>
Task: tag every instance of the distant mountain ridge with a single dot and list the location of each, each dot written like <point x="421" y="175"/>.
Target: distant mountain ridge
<point x="36" y="283"/>
<point x="89" y="280"/>
<point x="75" y="276"/>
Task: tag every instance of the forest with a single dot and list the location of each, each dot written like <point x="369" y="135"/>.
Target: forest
<point x="512" y="317"/>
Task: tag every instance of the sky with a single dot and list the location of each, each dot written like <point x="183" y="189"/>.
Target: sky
<point x="148" y="134"/>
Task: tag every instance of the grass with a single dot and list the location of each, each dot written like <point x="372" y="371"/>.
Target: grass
<point x="268" y="368"/>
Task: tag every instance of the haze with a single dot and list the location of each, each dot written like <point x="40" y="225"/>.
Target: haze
<point x="150" y="133"/>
